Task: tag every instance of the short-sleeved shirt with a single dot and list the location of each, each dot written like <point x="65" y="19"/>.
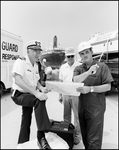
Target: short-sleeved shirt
<point x="27" y="71"/>
<point x="66" y="72"/>
<point x="102" y="76"/>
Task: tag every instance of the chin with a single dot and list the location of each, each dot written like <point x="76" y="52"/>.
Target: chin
<point x="86" y="62"/>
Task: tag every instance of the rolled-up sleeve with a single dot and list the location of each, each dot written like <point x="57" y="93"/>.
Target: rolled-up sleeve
<point x="106" y="74"/>
<point x="18" y="67"/>
<point x="77" y="71"/>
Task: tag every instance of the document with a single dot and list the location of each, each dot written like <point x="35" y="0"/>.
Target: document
<point x="64" y="87"/>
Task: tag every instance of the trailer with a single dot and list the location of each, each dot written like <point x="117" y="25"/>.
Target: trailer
<point x="11" y="49"/>
<point x="105" y="49"/>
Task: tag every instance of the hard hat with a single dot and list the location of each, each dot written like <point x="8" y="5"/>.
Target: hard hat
<point x="34" y="44"/>
<point x="69" y="51"/>
<point x="84" y="45"/>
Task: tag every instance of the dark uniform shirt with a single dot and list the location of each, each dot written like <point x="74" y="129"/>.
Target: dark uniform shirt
<point x="102" y="76"/>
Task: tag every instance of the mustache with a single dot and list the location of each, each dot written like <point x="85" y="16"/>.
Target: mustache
<point x="85" y="57"/>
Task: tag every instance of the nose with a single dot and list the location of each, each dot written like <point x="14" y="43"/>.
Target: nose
<point x="38" y="55"/>
<point x="85" y="55"/>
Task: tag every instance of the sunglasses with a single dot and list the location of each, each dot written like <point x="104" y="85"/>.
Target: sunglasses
<point x="71" y="56"/>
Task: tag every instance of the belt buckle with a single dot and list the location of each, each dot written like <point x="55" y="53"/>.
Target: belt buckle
<point x="13" y="93"/>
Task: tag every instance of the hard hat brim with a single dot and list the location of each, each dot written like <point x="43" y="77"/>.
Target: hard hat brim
<point x="70" y="54"/>
<point x="34" y="47"/>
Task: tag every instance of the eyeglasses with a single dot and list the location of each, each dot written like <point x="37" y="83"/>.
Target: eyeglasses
<point x="71" y="56"/>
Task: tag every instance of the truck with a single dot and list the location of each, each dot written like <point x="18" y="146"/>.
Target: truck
<point x="105" y="49"/>
<point x="11" y="49"/>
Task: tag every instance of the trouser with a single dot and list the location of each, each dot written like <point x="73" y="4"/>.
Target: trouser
<point x="71" y="103"/>
<point x="91" y="122"/>
<point x="28" y="101"/>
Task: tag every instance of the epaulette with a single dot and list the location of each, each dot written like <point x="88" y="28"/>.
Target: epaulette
<point x="22" y="58"/>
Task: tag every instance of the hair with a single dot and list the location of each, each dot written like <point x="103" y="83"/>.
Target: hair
<point x="27" y="51"/>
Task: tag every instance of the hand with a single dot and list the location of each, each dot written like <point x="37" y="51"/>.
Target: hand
<point x="49" y="76"/>
<point x="60" y="98"/>
<point x="41" y="96"/>
<point x="93" y="69"/>
<point x="45" y="90"/>
<point x="84" y="89"/>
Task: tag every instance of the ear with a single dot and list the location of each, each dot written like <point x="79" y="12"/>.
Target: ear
<point x="27" y="51"/>
<point x="91" y="51"/>
<point x="79" y="54"/>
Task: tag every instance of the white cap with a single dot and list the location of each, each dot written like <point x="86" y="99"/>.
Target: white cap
<point x="44" y="60"/>
<point x="33" y="44"/>
<point x="84" y="45"/>
<point x="69" y="51"/>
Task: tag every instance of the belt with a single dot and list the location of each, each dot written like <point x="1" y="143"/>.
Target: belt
<point x="17" y="92"/>
<point x="13" y="93"/>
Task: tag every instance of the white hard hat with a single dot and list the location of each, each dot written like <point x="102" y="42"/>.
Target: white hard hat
<point x="69" y="51"/>
<point x="33" y="44"/>
<point x="84" y="45"/>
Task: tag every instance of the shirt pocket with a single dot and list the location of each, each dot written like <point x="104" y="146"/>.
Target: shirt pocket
<point x="29" y="73"/>
<point x="91" y="80"/>
<point x="37" y="77"/>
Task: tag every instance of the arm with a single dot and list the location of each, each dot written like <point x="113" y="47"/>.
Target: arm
<point x="81" y="77"/>
<point x="21" y="83"/>
<point x="41" y="88"/>
<point x="60" y="94"/>
<point x="96" y="89"/>
<point x="102" y="88"/>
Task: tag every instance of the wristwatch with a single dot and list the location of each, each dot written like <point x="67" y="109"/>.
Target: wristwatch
<point x="92" y="89"/>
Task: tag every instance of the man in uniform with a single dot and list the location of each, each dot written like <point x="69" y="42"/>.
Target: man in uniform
<point x="70" y="102"/>
<point x="28" y="93"/>
<point x="97" y="80"/>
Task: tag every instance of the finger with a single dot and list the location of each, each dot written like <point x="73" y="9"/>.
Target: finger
<point x="79" y="88"/>
<point x="42" y="99"/>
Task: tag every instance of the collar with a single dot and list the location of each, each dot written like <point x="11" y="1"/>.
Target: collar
<point x="74" y="64"/>
<point x="28" y="61"/>
<point x="85" y="66"/>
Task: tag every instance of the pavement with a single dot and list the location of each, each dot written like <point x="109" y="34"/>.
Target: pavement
<point x="11" y="120"/>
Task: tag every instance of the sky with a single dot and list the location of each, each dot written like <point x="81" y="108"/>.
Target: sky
<point x="71" y="21"/>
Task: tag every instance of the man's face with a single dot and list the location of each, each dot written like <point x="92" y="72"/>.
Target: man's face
<point x="86" y="55"/>
<point x="70" y="59"/>
<point x="34" y="55"/>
